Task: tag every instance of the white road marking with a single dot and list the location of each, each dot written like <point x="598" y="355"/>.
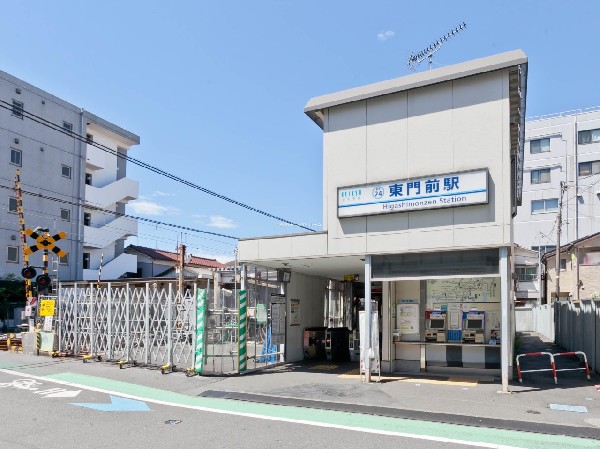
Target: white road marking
<point x="268" y="418"/>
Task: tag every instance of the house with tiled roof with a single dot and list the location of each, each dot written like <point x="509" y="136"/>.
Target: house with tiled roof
<point x="152" y="263"/>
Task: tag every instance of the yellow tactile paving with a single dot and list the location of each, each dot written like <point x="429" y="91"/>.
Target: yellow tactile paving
<point x="454" y="381"/>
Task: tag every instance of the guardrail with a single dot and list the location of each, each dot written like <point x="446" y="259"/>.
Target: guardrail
<point x="536" y="354"/>
<point x="585" y="368"/>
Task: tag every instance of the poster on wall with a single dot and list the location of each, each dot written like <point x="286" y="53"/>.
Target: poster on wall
<point x="464" y="290"/>
<point x="407" y="316"/>
<point x="294" y="312"/>
<point x="277" y="319"/>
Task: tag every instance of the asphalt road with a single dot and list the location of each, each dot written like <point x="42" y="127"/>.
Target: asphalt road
<point x="47" y="405"/>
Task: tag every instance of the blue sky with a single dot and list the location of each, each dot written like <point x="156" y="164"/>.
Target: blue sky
<point x="216" y="90"/>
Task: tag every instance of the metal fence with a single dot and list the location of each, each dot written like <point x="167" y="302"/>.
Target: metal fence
<point x="146" y="325"/>
<point x="153" y="324"/>
<point x="578" y="328"/>
<point x="538" y="319"/>
<point x="573" y="325"/>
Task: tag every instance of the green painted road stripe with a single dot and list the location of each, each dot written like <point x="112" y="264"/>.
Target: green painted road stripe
<point x="368" y="423"/>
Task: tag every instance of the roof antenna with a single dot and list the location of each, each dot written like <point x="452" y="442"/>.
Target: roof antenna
<point x="415" y="59"/>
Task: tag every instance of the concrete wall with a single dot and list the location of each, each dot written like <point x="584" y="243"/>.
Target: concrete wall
<point x="310" y="291"/>
<point x="449" y="127"/>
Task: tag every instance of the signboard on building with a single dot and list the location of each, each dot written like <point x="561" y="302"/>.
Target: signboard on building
<point x="430" y="192"/>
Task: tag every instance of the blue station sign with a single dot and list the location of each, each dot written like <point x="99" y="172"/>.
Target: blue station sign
<point x="430" y="192"/>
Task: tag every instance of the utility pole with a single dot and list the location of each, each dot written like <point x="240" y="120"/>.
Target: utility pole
<point x="563" y="189"/>
<point x="180" y="265"/>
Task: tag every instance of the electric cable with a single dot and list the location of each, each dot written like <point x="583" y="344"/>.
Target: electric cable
<point x="152" y="168"/>
<point x="120" y="214"/>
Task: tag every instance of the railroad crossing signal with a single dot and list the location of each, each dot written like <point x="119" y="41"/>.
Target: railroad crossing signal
<point x="45" y="242"/>
<point x="28" y="272"/>
<point x="43" y="282"/>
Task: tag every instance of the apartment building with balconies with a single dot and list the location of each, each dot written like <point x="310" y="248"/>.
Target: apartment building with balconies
<point x="74" y="179"/>
<point x="560" y="148"/>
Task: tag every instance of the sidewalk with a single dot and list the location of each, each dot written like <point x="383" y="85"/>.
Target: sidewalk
<point x="464" y="400"/>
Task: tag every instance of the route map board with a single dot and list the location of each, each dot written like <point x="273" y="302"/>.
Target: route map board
<point x="444" y="291"/>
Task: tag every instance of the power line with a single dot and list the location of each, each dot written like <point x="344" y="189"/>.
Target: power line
<point x="119" y="214"/>
<point x="59" y="128"/>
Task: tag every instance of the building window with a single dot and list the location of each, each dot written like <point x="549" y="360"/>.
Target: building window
<point x="12" y="204"/>
<point x="544" y="249"/>
<point x="88" y="179"/>
<point x="17" y="109"/>
<point x="12" y="254"/>
<point x="539" y="146"/>
<point x="65" y="214"/>
<point x="540" y="176"/>
<point x="563" y="264"/>
<point x="87" y="219"/>
<point x="542" y="206"/>
<point x="526" y="273"/>
<point x="64" y="260"/>
<point x="589" y="168"/>
<point x="89" y="138"/>
<point x="15" y="157"/>
<point x="86" y="261"/>
<point x="68" y="126"/>
<point x="589" y="136"/>
<point x="66" y="171"/>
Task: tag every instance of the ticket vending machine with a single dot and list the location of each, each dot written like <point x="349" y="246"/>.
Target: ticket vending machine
<point x="435" y="326"/>
<point x="473" y="327"/>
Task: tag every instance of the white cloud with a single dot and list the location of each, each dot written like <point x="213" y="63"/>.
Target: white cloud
<point x="145" y="207"/>
<point x="159" y="193"/>
<point x="385" y="35"/>
<point x="218" y="221"/>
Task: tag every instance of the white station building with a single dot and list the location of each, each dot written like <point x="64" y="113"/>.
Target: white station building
<point x="422" y="177"/>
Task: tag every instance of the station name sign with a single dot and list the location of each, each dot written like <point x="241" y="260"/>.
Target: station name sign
<point x="430" y="192"/>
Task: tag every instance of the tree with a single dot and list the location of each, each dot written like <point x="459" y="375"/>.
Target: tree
<point x="12" y="294"/>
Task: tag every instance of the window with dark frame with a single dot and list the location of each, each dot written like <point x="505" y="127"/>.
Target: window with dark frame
<point x="12" y="204"/>
<point x="64" y="260"/>
<point x="65" y="214"/>
<point x="66" y="171"/>
<point x="17" y="109"/>
<point x="68" y="126"/>
<point x="88" y="179"/>
<point x="12" y="254"/>
<point x="16" y="157"/>
<point x="540" y="176"/>
<point x="589" y="168"/>
<point x="588" y="136"/>
<point x="86" y="261"/>
<point x="526" y="273"/>
<point x="87" y="219"/>
<point x="539" y="146"/>
<point x="563" y="264"/>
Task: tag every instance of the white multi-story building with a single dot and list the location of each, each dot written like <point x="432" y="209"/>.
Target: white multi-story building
<point x="560" y="148"/>
<point x="73" y="184"/>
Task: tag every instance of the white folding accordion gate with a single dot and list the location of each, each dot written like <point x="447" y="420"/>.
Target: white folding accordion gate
<point x="142" y="324"/>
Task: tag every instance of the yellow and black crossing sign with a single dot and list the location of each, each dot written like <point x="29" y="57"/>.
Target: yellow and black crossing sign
<point x="45" y="242"/>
